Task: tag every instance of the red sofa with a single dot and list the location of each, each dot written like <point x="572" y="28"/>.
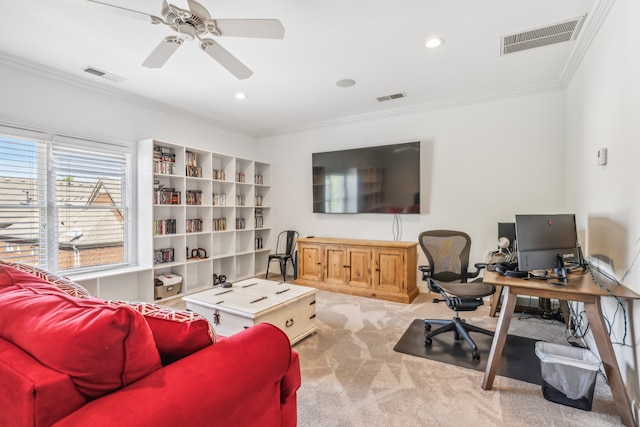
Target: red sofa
<point x="67" y="359"/>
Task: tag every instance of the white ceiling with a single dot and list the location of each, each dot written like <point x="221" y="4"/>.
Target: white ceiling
<point x="378" y="43"/>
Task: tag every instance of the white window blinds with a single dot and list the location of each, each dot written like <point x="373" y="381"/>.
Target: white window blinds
<point x="69" y="201"/>
<point x="23" y="198"/>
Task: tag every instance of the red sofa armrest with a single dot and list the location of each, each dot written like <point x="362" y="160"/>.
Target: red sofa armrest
<point x="30" y="393"/>
<point x="238" y="381"/>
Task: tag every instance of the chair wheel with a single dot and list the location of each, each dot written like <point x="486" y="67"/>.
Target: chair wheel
<point x="476" y="355"/>
<point x="427" y="327"/>
<point x="428" y="341"/>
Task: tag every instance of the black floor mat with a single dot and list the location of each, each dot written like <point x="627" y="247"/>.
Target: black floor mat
<point x="518" y="361"/>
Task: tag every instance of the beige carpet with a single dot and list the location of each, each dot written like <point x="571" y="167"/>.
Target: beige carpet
<point x="352" y="377"/>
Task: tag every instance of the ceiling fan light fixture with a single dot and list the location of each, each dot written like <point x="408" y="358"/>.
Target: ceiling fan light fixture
<point x="186" y="32"/>
<point x="434" y="42"/>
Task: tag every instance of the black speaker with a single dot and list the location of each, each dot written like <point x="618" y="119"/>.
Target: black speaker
<point x="509" y="269"/>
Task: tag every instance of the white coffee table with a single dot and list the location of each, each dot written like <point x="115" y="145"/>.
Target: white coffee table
<point x="291" y="308"/>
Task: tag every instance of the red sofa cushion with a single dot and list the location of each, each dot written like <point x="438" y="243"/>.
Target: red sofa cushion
<point x="16" y="271"/>
<point x="178" y="333"/>
<point x="101" y="347"/>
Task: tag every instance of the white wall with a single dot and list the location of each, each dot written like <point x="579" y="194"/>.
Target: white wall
<point x="34" y="99"/>
<point x="481" y="164"/>
<point x="603" y="110"/>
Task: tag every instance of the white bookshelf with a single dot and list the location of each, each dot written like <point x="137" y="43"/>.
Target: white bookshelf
<point x="224" y="188"/>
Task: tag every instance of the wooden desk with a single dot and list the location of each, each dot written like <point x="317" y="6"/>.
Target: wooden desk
<point x="580" y="288"/>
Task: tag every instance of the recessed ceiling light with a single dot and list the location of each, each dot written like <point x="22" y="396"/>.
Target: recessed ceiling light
<point x="434" y="42"/>
<point x="345" y="83"/>
<point x="241" y="95"/>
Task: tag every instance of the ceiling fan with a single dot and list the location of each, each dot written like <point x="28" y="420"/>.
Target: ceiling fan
<point x="196" y="23"/>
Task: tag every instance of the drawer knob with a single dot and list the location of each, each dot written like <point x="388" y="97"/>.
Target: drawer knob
<point x="289" y="323"/>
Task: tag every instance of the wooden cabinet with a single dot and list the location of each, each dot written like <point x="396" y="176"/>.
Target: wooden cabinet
<point x="309" y="263"/>
<point x="374" y="269"/>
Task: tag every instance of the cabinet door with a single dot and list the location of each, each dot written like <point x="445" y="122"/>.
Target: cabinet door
<point x="388" y="272"/>
<point x="359" y="267"/>
<point x="309" y="262"/>
<point x="335" y="259"/>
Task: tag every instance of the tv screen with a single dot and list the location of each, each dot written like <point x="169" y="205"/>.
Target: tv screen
<point x="546" y="241"/>
<point x="382" y="179"/>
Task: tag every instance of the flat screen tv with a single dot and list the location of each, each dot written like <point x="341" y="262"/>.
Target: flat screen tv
<point x="547" y="242"/>
<point x="381" y="179"/>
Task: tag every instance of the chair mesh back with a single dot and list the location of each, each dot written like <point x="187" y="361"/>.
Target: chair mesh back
<point x="447" y="253"/>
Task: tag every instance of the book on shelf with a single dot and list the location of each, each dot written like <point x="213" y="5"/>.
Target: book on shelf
<point x="194" y="225"/>
<point x="259" y="220"/>
<point x="194" y="171"/>
<point x="164" y="226"/>
<point x="219" y="224"/>
<point x="164" y="161"/>
<point x="219" y="199"/>
<point x="190" y="158"/>
<point x="219" y="174"/>
<point x="167" y="196"/>
<point x="194" y="197"/>
<point x="163" y="255"/>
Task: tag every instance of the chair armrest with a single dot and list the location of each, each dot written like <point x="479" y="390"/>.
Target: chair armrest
<point x="479" y="266"/>
<point x="426" y="271"/>
<point x="241" y="380"/>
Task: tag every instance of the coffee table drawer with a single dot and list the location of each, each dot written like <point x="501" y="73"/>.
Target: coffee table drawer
<point x="297" y="319"/>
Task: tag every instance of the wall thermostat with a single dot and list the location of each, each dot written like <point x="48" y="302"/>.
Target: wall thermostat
<point x="602" y="157"/>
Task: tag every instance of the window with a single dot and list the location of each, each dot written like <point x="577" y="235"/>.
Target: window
<point x="65" y="203"/>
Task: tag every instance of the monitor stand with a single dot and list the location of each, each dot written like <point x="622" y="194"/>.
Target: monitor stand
<point x="561" y="269"/>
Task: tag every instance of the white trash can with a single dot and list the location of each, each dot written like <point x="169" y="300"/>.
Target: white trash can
<point x="568" y="374"/>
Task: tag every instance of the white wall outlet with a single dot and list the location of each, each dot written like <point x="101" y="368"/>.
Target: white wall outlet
<point x="602" y="157"/>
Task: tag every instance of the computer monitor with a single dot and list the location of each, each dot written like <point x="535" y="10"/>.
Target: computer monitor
<point x="547" y="242"/>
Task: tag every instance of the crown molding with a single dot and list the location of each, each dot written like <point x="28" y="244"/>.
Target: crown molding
<point x="423" y="108"/>
<point x="43" y="70"/>
<point x="590" y="28"/>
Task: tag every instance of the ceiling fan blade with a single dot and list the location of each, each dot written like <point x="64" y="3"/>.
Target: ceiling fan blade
<point x="227" y="60"/>
<point x="257" y="28"/>
<point x="199" y="10"/>
<point x="123" y="11"/>
<point x="162" y="52"/>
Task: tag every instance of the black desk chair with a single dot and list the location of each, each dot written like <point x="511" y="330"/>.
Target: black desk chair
<point x="448" y="255"/>
<point x="285" y="247"/>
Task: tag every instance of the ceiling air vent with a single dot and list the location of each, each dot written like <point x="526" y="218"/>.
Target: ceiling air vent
<point x="104" y="74"/>
<point x="543" y="36"/>
<point x="390" y="97"/>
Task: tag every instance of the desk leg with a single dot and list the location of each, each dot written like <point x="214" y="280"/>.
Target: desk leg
<point x="495" y="300"/>
<point x="500" y="337"/>
<point x="609" y="362"/>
